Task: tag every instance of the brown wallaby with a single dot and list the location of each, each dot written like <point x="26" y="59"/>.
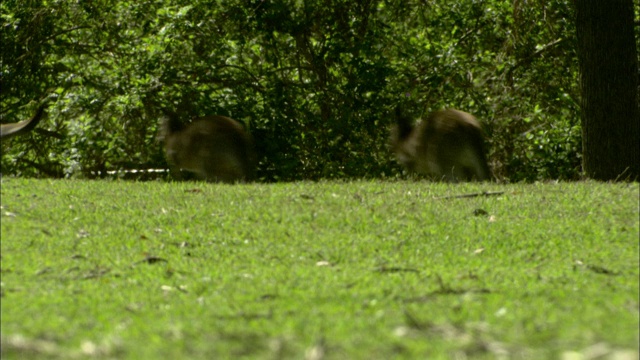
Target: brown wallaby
<point x="9" y="130"/>
<point x="216" y="148"/>
<point x="447" y="145"/>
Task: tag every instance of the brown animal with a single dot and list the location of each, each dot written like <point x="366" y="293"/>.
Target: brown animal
<point x="447" y="145"/>
<point x="216" y="148"/>
<point x="22" y="127"/>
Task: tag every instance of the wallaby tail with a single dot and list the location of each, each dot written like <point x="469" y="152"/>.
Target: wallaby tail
<point x="9" y="130"/>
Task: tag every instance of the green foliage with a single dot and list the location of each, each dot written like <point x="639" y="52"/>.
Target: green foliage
<point x="314" y="81"/>
<point x="348" y="270"/>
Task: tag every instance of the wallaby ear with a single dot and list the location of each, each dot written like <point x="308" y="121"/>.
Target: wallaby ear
<point x="403" y="123"/>
<point x="169" y="123"/>
<point x="398" y="111"/>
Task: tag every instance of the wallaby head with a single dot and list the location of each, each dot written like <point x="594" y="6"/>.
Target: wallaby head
<point x="216" y="148"/>
<point x="22" y="127"/>
<point x="447" y="145"/>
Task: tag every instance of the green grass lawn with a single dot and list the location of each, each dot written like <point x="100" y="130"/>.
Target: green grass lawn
<point x="329" y="270"/>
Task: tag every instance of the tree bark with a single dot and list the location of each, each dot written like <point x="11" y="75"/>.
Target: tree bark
<point x="609" y="85"/>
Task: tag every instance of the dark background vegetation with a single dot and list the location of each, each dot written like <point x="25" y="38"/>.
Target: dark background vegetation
<point x="315" y="81"/>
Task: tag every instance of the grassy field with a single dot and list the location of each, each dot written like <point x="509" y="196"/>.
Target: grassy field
<point x="334" y="270"/>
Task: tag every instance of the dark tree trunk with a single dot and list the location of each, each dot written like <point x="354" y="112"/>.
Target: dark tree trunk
<point x="609" y="85"/>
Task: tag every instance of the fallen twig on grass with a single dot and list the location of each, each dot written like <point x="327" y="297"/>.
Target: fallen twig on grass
<point x="484" y="193"/>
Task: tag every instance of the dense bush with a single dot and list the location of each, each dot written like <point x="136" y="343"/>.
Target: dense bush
<point x="314" y="81"/>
